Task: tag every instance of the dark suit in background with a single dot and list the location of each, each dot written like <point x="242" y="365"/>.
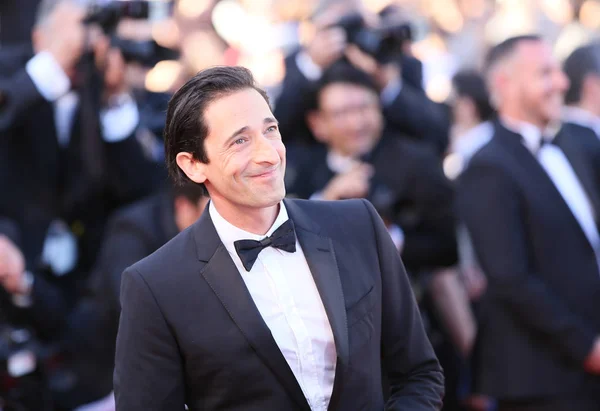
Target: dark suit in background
<point x="43" y="181"/>
<point x="191" y="334"/>
<point x="408" y="188"/>
<point x="541" y="312"/>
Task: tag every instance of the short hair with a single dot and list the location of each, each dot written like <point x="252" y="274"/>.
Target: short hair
<point x="470" y="84"/>
<point x="505" y="49"/>
<point x="342" y="72"/>
<point x="186" y="128"/>
<point x="583" y="61"/>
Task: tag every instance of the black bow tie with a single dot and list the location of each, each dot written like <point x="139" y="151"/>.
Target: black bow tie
<point x="284" y="238"/>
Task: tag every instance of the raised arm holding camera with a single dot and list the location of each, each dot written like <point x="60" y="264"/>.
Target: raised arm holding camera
<point x="67" y="125"/>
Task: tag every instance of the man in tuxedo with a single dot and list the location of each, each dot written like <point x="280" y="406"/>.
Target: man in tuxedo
<point x="530" y="202"/>
<point x="581" y="116"/>
<point x="265" y="303"/>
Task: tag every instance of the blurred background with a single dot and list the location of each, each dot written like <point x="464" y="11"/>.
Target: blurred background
<point x="83" y="96"/>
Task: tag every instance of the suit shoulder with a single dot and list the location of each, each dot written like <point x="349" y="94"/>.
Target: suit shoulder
<point x="158" y="267"/>
<point x="339" y="216"/>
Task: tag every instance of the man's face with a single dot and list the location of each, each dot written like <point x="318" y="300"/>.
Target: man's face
<point x="349" y="119"/>
<point x="539" y="83"/>
<point x="245" y="152"/>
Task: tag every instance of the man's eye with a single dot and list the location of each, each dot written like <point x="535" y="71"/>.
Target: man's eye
<point x="240" y="141"/>
<point x="272" y="128"/>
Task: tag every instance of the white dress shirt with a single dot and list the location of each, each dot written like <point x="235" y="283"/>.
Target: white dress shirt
<point x="287" y="298"/>
<point x="560" y="171"/>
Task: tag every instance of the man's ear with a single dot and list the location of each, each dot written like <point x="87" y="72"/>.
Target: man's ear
<point x="194" y="169"/>
<point x="315" y="123"/>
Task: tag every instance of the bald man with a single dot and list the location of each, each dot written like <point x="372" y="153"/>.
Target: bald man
<point x="530" y="201"/>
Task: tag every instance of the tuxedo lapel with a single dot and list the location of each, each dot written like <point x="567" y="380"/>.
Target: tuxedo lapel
<point x="582" y="167"/>
<point x="320" y="255"/>
<point x="512" y="143"/>
<point x="222" y="275"/>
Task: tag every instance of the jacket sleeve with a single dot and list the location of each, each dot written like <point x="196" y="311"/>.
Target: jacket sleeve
<point x="414" y="373"/>
<point x="148" y="368"/>
<point x="18" y="95"/>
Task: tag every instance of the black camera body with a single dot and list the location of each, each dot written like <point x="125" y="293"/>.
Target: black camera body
<point x="384" y="43"/>
<point x="108" y="16"/>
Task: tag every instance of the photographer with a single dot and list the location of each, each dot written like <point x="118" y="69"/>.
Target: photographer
<point x="398" y="75"/>
<point x="68" y="152"/>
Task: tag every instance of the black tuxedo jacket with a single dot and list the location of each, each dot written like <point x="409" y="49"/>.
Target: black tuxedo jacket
<point x="541" y="312"/>
<point x="190" y="332"/>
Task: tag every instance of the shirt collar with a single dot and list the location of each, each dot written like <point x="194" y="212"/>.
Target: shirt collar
<point x="582" y="117"/>
<point x="532" y="135"/>
<point x="473" y="139"/>
<point x="228" y="233"/>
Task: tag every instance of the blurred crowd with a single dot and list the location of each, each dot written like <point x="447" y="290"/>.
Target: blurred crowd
<point x="489" y="185"/>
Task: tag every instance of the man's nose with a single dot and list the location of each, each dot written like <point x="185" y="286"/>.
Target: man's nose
<point x="264" y="151"/>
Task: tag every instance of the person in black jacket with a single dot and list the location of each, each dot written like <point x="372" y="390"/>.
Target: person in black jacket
<point x="68" y="148"/>
<point x="364" y="158"/>
<point x="530" y="203"/>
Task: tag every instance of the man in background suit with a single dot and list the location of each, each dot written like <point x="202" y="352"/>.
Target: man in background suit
<point x="68" y="152"/>
<point x="265" y="304"/>
<point x="363" y="158"/>
<point x="581" y="116"/>
<point x="530" y="202"/>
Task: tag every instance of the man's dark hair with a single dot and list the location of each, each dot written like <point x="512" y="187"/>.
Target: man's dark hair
<point x="341" y="72"/>
<point x="186" y="128"/>
<point x="504" y="49"/>
<point x="470" y="84"/>
<point x="583" y="61"/>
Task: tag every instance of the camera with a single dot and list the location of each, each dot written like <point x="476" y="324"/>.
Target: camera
<point x="384" y="43"/>
<point x="108" y="16"/>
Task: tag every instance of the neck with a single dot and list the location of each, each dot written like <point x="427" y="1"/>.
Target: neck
<point x="253" y="220"/>
<point x="515" y="113"/>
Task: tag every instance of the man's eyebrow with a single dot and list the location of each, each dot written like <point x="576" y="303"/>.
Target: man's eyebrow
<point x="237" y="133"/>
<point x="267" y="120"/>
